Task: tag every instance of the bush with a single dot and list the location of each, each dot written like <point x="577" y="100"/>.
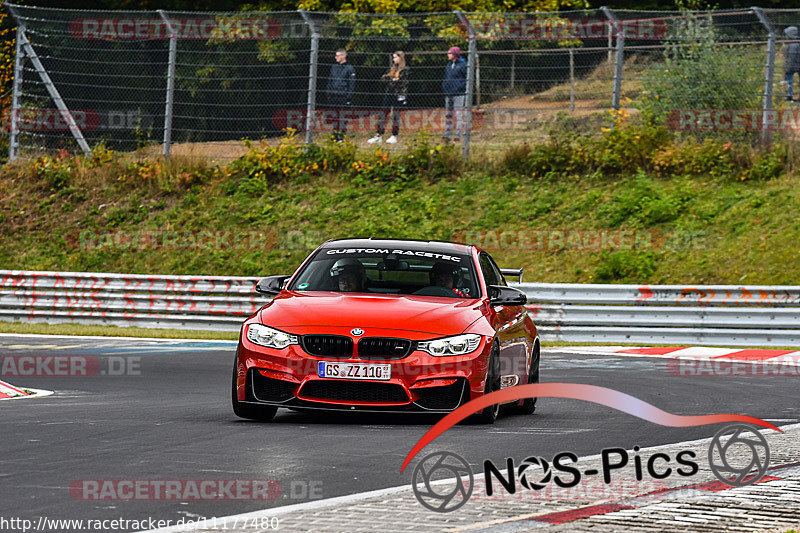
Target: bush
<point x="422" y="160"/>
<point x="54" y="171"/>
<point x="769" y="164"/>
<point x="643" y="203"/>
<point x="698" y="73"/>
<point x="557" y="156"/>
<point x="267" y="164"/>
<point x="627" y="146"/>
<point x="626" y="265"/>
<point x="690" y="157"/>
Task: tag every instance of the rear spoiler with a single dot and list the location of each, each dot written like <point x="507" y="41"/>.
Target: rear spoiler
<point x="516" y="272"/>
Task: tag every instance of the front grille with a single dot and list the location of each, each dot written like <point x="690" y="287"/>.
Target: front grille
<point x="354" y="391"/>
<point x="269" y="389"/>
<point x="328" y="345"/>
<point x="447" y="397"/>
<point x="383" y="348"/>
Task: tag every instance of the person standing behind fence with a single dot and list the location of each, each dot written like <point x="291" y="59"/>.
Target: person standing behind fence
<point x="339" y="91"/>
<point x="454" y="86"/>
<point x="394" y="97"/>
<point x="792" y="63"/>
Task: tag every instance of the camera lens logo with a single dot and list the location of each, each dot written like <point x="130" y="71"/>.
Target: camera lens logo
<point x="526" y="470"/>
<point x="438" y="482"/>
<point x="738" y="455"/>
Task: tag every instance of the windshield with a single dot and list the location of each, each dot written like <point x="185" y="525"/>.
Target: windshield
<point x="389" y="271"/>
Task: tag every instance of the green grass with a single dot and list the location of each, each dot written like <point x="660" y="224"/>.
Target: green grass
<point x="704" y="228"/>
<point x="114" y="331"/>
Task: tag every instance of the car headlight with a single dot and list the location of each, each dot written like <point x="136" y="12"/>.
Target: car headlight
<point x="269" y="337"/>
<point x="458" y="345"/>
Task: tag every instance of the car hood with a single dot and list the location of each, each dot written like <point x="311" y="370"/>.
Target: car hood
<point x="427" y="314"/>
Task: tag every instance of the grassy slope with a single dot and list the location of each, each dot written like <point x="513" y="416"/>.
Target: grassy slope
<point x="722" y="232"/>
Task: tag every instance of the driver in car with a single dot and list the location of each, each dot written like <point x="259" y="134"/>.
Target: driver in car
<point x="447" y="276"/>
<point x="351" y="274"/>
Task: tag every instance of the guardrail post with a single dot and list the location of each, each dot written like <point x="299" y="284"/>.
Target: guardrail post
<point x="312" y="77"/>
<point x="173" y="52"/>
<point x="16" y="95"/>
<point x="472" y="59"/>
<point x="619" y="57"/>
<point x="769" y="73"/>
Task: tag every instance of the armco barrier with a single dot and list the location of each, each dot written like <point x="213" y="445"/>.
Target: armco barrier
<point x="655" y="314"/>
<point x="176" y="302"/>
<point x="666" y="314"/>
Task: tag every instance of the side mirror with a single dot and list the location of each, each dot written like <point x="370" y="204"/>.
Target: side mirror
<point x="271" y="285"/>
<point x="502" y="295"/>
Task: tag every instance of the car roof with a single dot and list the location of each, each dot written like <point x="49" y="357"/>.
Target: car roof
<point x="427" y="246"/>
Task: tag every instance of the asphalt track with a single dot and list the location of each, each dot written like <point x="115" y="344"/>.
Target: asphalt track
<point x="170" y="418"/>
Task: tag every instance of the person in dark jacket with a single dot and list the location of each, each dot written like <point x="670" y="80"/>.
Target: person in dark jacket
<point x="454" y="86"/>
<point x="792" y="63"/>
<point x="394" y="97"/>
<point x="339" y="91"/>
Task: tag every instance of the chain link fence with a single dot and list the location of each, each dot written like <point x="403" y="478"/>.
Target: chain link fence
<point x="199" y="82"/>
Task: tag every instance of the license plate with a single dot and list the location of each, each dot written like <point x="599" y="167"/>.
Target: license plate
<point x="355" y="371"/>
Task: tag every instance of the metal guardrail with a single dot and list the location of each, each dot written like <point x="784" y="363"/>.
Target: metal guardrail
<point x="654" y="314"/>
<point x="729" y="315"/>
<point x="176" y="302"/>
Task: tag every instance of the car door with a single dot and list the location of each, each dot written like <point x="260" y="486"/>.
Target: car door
<point x="510" y="327"/>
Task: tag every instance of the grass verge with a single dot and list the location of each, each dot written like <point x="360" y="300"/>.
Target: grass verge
<point x="114" y="331"/>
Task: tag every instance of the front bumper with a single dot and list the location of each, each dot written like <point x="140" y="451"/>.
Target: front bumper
<point x="419" y="382"/>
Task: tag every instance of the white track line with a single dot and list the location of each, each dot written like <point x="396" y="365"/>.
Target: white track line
<point x="252" y="517"/>
<point x="101" y="337"/>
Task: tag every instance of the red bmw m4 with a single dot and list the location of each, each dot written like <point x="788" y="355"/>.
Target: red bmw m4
<point x="386" y="325"/>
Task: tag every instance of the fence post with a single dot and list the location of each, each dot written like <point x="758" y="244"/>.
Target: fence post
<point x="173" y="52"/>
<point x="571" y="79"/>
<point x="619" y="57"/>
<point x="513" y="70"/>
<point x="478" y="80"/>
<point x="472" y="58"/>
<point x="311" y="104"/>
<point x="769" y="73"/>
<point x="19" y="57"/>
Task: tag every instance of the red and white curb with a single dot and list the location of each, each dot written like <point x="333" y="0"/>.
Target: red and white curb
<point x="674" y="352"/>
<point x="775" y="473"/>
<point x="10" y="392"/>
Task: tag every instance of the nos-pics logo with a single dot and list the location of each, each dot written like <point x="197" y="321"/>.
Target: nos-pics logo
<point x="443" y="481"/>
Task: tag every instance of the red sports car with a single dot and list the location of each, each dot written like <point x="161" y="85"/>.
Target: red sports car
<point x="386" y="325"/>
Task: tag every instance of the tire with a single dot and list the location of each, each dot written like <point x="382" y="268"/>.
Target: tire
<point x="528" y="406"/>
<point x="490" y="413"/>
<point x="251" y="412"/>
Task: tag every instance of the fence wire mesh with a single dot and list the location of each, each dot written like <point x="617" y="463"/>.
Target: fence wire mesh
<point x="201" y="82"/>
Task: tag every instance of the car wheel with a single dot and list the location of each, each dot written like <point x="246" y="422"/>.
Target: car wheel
<point x="528" y="406"/>
<point x="252" y="412"/>
<point x="490" y="413"/>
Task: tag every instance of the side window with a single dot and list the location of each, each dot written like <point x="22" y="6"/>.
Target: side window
<point x="497" y="272"/>
<point x="489" y="273"/>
